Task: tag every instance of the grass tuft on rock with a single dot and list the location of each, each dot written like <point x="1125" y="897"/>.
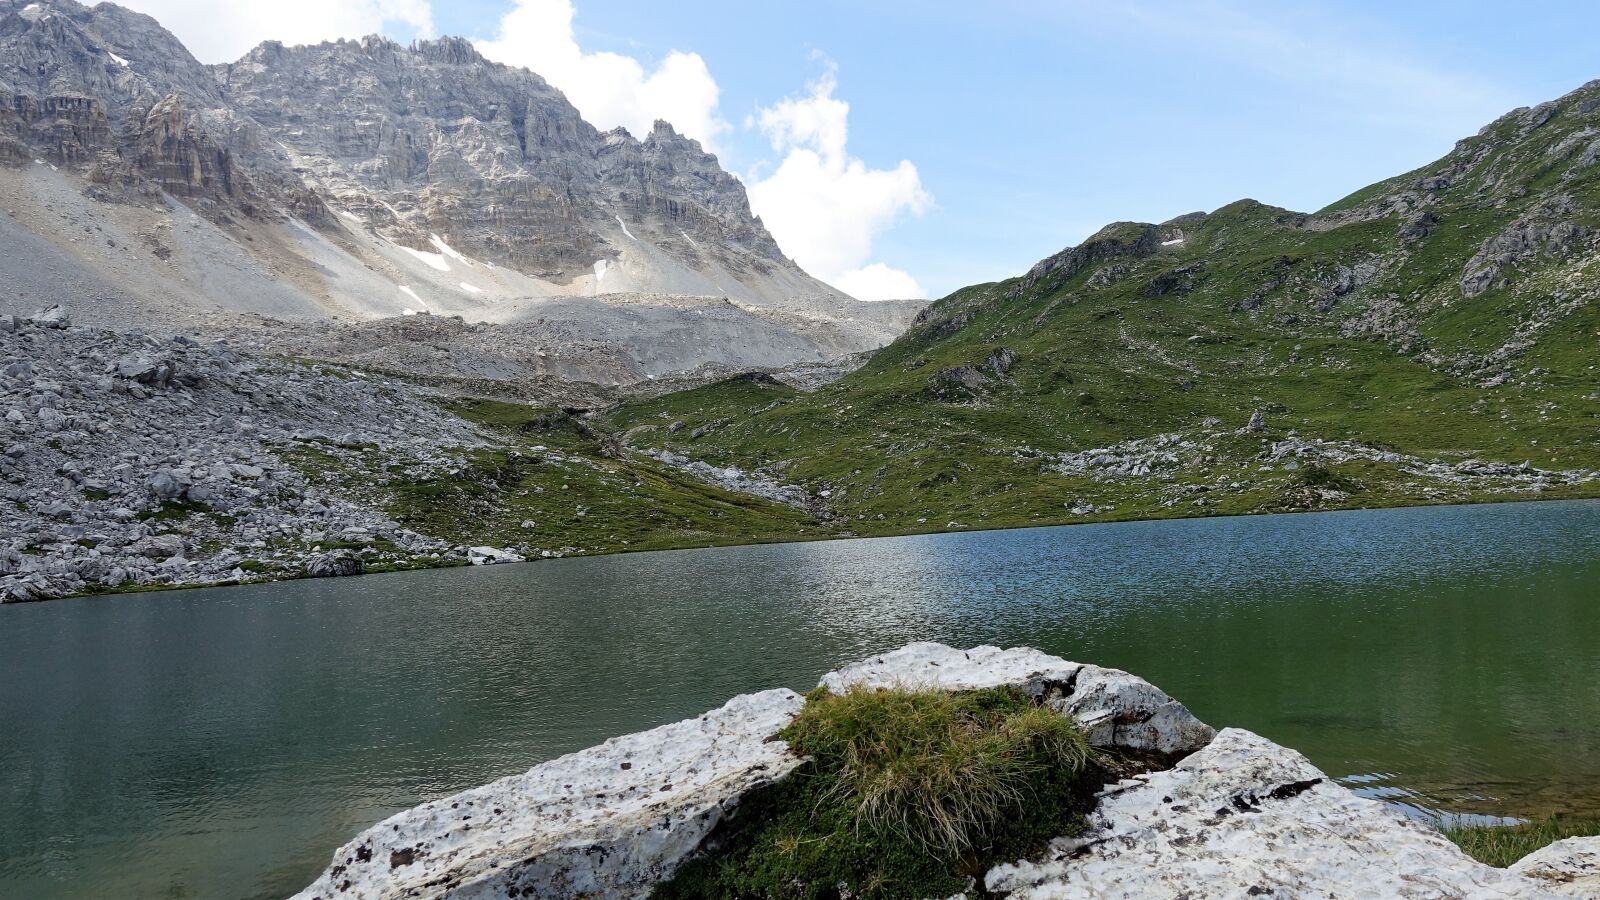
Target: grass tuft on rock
<point x="1500" y="845"/>
<point x="906" y="793"/>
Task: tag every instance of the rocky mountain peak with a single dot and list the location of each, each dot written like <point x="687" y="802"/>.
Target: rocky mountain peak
<point x="368" y="179"/>
<point x="456" y="51"/>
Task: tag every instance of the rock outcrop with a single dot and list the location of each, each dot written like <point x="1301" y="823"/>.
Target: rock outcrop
<point x="1245" y="817"/>
<point x="605" y="822"/>
<point x="1238" y="816"/>
<point x="1571" y="866"/>
<point x="1114" y="708"/>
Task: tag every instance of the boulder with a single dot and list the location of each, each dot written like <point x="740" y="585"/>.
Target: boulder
<point x="146" y="368"/>
<point x="1418" y="226"/>
<point x="488" y="556"/>
<point x="166" y="484"/>
<point x="13" y="590"/>
<point x="336" y="564"/>
<point x="957" y="383"/>
<point x="1570" y="867"/>
<point x="1001" y="361"/>
<point x="52" y="316"/>
<point x="158" y="546"/>
<point x="610" y="821"/>
<point x="1246" y="817"/>
<point x="1114" y="708"/>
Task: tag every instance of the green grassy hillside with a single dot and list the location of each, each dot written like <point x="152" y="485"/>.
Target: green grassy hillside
<point x="1433" y="338"/>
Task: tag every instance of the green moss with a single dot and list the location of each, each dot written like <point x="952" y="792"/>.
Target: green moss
<point x="905" y="794"/>
<point x="1501" y="845"/>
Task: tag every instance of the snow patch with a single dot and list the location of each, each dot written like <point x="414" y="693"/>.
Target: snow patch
<point x="349" y="215"/>
<point x="449" y="251"/>
<point x="470" y="288"/>
<point x="413" y="295"/>
<point x="687" y="238"/>
<point x="1172" y="243"/>
<point x="625" y="229"/>
<point x="117" y="59"/>
<point x="433" y="260"/>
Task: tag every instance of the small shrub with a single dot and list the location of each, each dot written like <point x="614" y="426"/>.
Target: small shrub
<point x="906" y="794"/>
<point x="1317" y="475"/>
<point x="1500" y="845"/>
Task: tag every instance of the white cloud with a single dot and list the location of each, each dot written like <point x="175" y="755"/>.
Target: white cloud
<point x="609" y="89"/>
<point x="825" y="207"/>
<point x="877" y="281"/>
<point x="222" y="32"/>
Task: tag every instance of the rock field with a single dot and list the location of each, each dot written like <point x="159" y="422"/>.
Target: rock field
<point x="128" y="461"/>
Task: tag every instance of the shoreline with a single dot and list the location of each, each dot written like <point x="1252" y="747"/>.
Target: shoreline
<point x="1590" y="497"/>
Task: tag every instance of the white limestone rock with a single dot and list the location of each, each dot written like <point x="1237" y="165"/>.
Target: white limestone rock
<point x="1115" y="709"/>
<point x="1245" y="817"/>
<point x="610" y="821"/>
<point x="491" y="556"/>
<point x="1570" y="867"/>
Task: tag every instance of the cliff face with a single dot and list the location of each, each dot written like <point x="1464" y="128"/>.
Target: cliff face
<point x="436" y="139"/>
<point x="414" y="141"/>
<point x="365" y="179"/>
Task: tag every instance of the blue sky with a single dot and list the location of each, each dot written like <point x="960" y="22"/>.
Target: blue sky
<point x="1030" y="124"/>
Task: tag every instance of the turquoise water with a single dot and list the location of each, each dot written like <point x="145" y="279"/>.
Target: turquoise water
<point x="220" y="743"/>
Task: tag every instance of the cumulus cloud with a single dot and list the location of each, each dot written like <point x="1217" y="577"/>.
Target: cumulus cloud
<point x="824" y="206"/>
<point x="877" y="281"/>
<point x="222" y="32"/>
<point x="609" y="89"/>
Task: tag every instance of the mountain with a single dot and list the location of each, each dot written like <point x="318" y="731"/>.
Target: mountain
<point x="1427" y="339"/>
<point x="356" y="180"/>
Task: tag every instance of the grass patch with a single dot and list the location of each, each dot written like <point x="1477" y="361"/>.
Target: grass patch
<point x="1501" y="846"/>
<point x="173" y="511"/>
<point x="905" y="794"/>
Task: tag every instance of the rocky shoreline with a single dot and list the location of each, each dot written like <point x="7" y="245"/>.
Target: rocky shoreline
<point x="1224" y="813"/>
